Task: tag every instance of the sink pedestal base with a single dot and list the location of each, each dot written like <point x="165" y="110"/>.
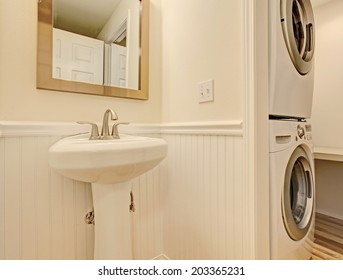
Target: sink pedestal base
<point x="113" y="239"/>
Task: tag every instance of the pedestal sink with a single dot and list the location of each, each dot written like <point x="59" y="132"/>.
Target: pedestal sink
<point x="109" y="165"/>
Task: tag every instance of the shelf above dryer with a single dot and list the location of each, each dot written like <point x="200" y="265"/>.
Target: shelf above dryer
<point x="328" y="153"/>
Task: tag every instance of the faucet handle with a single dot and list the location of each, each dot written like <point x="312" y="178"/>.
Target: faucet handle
<point x="94" y="132"/>
<point x="115" y="133"/>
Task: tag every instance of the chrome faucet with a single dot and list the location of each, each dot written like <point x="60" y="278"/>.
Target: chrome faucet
<point x="105" y="132"/>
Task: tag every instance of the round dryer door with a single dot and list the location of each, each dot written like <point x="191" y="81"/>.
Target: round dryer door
<point x="298" y="195"/>
<point x="297" y="22"/>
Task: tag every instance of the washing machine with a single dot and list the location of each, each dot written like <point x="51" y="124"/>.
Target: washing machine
<point x="292" y="190"/>
<point x="291" y="58"/>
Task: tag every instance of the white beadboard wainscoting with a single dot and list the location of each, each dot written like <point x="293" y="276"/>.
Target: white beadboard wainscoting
<point x="202" y="196"/>
<point x="191" y="206"/>
<point x="42" y="213"/>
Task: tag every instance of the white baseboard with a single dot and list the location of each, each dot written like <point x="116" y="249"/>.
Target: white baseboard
<point x="161" y="257"/>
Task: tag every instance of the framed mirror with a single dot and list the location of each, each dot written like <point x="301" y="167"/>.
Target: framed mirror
<point x="52" y="30"/>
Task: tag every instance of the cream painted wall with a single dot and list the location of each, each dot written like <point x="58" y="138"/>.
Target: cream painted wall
<point x="329" y="188"/>
<point x="202" y="40"/>
<point x="19" y="98"/>
<point x="327" y="114"/>
<point x="194" y="48"/>
<point x="317" y="3"/>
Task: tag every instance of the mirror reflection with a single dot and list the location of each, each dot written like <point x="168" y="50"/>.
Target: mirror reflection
<point x="97" y="42"/>
<point x="122" y="32"/>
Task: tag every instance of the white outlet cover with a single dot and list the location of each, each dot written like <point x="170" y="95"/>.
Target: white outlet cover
<point x="205" y="91"/>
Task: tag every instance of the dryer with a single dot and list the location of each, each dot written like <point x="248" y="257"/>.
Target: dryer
<point x="292" y="190"/>
<point x="291" y="58"/>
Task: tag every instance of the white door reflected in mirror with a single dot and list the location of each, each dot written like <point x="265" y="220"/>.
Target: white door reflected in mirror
<point x="77" y="58"/>
<point x="104" y="51"/>
<point x="118" y="66"/>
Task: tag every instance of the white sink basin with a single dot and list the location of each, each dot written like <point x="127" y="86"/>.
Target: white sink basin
<point x="109" y="165"/>
<point x="106" y="161"/>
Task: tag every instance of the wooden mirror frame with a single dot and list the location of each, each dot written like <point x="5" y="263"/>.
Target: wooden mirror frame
<point x="44" y="59"/>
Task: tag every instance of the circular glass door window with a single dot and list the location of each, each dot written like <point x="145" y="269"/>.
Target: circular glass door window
<point x="298" y="195"/>
<point x="297" y="22"/>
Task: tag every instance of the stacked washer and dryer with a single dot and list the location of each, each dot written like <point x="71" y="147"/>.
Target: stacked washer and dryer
<point x="291" y="80"/>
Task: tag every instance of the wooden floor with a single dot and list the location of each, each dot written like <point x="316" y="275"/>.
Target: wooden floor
<point x="328" y="243"/>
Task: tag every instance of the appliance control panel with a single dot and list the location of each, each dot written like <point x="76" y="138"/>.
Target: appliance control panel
<point x="304" y="131"/>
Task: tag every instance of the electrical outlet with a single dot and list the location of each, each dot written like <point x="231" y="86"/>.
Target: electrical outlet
<point x="206" y="91"/>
